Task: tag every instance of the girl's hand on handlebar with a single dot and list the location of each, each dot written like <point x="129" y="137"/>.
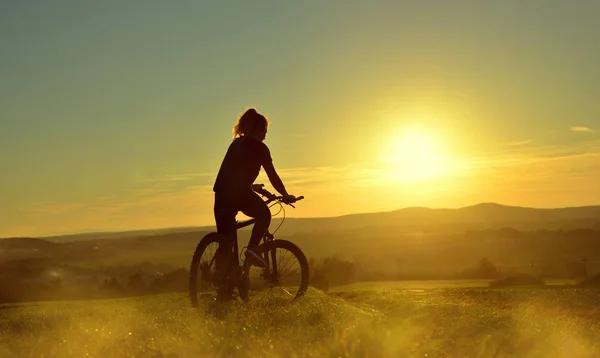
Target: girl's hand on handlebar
<point x="288" y="199"/>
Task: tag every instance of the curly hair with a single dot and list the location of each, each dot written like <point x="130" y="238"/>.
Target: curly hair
<point x="248" y="121"/>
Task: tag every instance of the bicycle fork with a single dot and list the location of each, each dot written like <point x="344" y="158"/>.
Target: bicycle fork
<point x="270" y="271"/>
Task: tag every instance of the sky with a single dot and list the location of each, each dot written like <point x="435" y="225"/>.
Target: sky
<point x="115" y="115"/>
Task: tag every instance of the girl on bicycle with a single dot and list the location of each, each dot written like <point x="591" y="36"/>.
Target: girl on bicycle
<point x="234" y="189"/>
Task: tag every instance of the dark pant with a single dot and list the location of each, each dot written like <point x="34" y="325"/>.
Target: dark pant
<point x="227" y="205"/>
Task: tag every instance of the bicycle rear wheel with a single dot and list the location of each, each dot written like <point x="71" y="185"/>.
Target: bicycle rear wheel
<point x="284" y="279"/>
<point x="203" y="275"/>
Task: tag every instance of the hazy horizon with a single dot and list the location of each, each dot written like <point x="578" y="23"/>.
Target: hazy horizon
<point x="116" y="116"/>
<point x="92" y="231"/>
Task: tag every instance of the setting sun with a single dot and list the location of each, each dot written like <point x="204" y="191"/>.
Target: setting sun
<point x="413" y="155"/>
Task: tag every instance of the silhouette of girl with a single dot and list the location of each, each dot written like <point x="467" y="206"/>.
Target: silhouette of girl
<point x="234" y="189"/>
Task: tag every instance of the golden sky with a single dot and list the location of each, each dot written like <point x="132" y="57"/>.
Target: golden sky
<point x="117" y="117"/>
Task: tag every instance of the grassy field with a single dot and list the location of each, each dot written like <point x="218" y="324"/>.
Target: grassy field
<point x="369" y="320"/>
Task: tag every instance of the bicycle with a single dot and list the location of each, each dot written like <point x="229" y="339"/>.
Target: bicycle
<point x="245" y="277"/>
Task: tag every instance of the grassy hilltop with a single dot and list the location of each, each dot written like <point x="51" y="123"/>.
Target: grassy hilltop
<point x="353" y="321"/>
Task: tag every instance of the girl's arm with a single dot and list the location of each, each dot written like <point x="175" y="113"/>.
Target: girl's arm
<point x="274" y="178"/>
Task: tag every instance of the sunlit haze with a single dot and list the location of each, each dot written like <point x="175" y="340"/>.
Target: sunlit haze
<point x="116" y="115"/>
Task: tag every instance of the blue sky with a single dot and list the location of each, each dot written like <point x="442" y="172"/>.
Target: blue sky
<point x="102" y="104"/>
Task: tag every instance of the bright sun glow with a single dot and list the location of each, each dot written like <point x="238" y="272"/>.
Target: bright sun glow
<point x="413" y="155"/>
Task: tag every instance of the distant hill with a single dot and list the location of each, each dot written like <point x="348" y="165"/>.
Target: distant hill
<point x="480" y="216"/>
<point x="27" y="243"/>
<point x="409" y="239"/>
<point x="107" y="235"/>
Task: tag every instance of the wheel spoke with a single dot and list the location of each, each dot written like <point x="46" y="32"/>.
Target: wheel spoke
<point x="286" y="291"/>
<point x="291" y="271"/>
<point x="293" y="257"/>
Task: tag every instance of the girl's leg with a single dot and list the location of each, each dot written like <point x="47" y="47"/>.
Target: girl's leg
<point x="254" y="207"/>
<point x="225" y="219"/>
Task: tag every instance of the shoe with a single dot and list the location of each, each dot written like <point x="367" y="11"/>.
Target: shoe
<point x="252" y="258"/>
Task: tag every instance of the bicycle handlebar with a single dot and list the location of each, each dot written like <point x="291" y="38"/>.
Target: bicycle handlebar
<point x="272" y="197"/>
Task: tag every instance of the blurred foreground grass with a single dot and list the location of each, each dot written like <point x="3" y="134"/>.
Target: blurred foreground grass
<point x="375" y="322"/>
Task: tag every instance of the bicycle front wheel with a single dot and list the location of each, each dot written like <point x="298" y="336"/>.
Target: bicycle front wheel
<point x="285" y="277"/>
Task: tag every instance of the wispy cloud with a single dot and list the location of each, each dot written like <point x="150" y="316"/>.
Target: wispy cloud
<point x="583" y="129"/>
<point x="526" y="154"/>
<point x="558" y="164"/>
<point x="53" y="208"/>
<point x="523" y="142"/>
